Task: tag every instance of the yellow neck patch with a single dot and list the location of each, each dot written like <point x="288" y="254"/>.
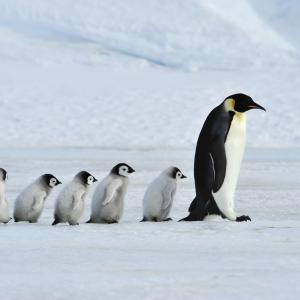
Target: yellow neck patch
<point x="229" y="106"/>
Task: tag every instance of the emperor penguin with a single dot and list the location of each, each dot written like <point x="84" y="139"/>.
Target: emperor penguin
<point x="69" y="205"/>
<point x="108" y="198"/>
<point x="29" y="204"/>
<point x="218" y="158"/>
<point x="159" y="196"/>
<point x="4" y="212"/>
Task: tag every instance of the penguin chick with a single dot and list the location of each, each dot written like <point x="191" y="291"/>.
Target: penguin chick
<point x="159" y="196"/>
<point x="4" y="212"/>
<point x="69" y="205"/>
<point x="108" y="198"/>
<point x="30" y="203"/>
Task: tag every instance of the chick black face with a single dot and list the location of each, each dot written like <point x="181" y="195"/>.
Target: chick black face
<point x="50" y="180"/>
<point x="85" y="178"/>
<point x="3" y="174"/>
<point x="122" y="169"/>
<point x="177" y="174"/>
<point x="242" y="103"/>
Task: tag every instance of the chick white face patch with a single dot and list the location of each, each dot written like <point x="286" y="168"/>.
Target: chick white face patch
<point x="90" y="180"/>
<point x="123" y="171"/>
<point x="178" y="175"/>
<point x="52" y="182"/>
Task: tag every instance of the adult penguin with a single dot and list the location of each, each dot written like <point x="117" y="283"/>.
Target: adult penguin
<point x="218" y="157"/>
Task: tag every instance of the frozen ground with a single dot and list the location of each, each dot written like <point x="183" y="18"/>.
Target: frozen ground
<point x="215" y="259"/>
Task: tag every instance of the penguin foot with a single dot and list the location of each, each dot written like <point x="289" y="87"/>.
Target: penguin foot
<point x="73" y="224"/>
<point x="89" y="221"/>
<point x="243" y="219"/>
<point x="144" y="220"/>
<point x="8" y="221"/>
<point x="16" y="221"/>
<point x="167" y="220"/>
<point x="110" y="221"/>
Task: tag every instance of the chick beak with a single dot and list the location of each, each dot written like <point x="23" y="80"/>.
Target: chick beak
<point x="183" y="176"/>
<point x="58" y="182"/>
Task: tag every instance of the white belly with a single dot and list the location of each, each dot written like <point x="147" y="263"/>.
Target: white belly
<point x="234" y="149"/>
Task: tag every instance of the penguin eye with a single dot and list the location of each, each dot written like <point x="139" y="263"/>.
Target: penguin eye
<point x="52" y="181"/>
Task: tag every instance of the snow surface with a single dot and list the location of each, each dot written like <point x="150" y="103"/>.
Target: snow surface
<point x="215" y="259"/>
<point x="88" y="83"/>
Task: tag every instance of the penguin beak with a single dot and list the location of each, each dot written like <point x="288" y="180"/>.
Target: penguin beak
<point x="183" y="176"/>
<point x="95" y="179"/>
<point x="132" y="171"/>
<point x="255" y="106"/>
<point x="58" y="182"/>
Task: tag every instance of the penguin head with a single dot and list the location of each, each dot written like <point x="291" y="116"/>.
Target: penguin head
<point x="175" y="173"/>
<point x="241" y="103"/>
<point x="3" y="175"/>
<point x="122" y="169"/>
<point x="50" y="180"/>
<point x="85" y="178"/>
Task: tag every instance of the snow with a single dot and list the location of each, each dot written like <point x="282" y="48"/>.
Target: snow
<point x="131" y="260"/>
<point x="87" y="84"/>
<point x="81" y="78"/>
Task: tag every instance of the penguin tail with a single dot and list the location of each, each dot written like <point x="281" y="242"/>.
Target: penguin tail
<point x="193" y="216"/>
<point x="193" y="205"/>
<point x="55" y="222"/>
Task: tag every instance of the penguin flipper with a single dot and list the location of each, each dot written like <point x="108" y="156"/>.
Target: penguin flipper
<point x="218" y="156"/>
